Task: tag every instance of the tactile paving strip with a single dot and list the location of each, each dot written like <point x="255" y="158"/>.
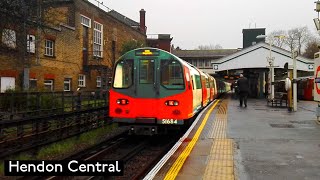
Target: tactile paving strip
<point x="220" y="161"/>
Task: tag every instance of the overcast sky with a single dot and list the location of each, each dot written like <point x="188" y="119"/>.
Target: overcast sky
<point x="205" y="22"/>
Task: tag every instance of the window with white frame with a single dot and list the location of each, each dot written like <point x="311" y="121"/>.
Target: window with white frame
<point x="31" y="43"/>
<point x="49" y="47"/>
<point x="97" y="39"/>
<point x="82" y="80"/>
<point x="98" y="81"/>
<point x="7" y="83"/>
<point x="48" y="85"/>
<point x="67" y="84"/>
<point x="9" y="38"/>
<point x="85" y="21"/>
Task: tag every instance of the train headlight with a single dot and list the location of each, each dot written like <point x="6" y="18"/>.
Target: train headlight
<point x="122" y="101"/>
<point x="171" y="103"/>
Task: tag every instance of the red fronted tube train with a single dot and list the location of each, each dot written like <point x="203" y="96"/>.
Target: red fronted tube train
<point x="153" y="90"/>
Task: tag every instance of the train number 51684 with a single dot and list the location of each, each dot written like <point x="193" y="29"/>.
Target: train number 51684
<point x="169" y="121"/>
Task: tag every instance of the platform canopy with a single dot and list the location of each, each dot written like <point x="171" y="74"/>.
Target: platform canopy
<point x="256" y="55"/>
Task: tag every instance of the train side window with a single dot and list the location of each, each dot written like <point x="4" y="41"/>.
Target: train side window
<point x="198" y="82"/>
<point x="123" y="77"/>
<point x="171" y="74"/>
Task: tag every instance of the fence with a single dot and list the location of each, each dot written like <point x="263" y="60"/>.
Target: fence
<point x="29" y="119"/>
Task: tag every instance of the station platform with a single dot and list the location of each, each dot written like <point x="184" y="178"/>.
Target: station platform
<point x="257" y="142"/>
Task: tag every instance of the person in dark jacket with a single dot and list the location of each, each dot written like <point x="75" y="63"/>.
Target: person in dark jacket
<point x="243" y="87"/>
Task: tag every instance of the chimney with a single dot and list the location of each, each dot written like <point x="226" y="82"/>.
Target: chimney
<point x="143" y="21"/>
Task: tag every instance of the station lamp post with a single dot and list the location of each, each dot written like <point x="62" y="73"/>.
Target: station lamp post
<point x="316" y="20"/>
<point x="270" y="60"/>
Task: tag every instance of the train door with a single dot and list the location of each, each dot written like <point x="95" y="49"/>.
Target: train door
<point x="211" y="89"/>
<point x="146" y="79"/>
<point x="146" y="88"/>
<point x="215" y="90"/>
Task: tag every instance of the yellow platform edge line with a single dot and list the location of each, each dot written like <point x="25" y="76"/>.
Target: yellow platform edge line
<point x="175" y="168"/>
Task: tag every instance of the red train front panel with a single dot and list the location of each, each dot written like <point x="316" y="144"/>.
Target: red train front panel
<point x="150" y="86"/>
<point x="170" y="110"/>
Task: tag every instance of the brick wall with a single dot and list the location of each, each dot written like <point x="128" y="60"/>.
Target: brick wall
<point x="67" y="61"/>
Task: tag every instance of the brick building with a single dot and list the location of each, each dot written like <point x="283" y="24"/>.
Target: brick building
<point x="79" y="52"/>
<point x="161" y="41"/>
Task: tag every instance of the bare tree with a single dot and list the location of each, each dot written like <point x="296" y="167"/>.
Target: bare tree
<point x="209" y="47"/>
<point x="297" y="38"/>
<point x="273" y="37"/>
<point x="311" y="48"/>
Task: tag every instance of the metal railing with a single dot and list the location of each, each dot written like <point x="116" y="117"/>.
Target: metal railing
<point x="30" y="119"/>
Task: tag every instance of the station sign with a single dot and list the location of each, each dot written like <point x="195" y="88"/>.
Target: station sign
<point x="317" y="77"/>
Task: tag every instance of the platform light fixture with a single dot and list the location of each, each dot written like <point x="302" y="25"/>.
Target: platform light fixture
<point x="317" y="9"/>
<point x="316" y="20"/>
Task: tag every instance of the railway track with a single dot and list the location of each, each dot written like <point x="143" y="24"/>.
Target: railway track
<point x="138" y="153"/>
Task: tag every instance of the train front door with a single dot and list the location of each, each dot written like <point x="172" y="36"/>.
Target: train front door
<point x="147" y="89"/>
<point x="147" y="79"/>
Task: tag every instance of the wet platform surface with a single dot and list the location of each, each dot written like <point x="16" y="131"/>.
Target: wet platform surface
<point x="257" y="142"/>
<point x="273" y="143"/>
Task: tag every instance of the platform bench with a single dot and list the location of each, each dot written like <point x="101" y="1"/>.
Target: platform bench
<point x="279" y="100"/>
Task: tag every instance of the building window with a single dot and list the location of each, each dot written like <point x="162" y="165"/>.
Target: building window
<point x="9" y="38"/>
<point x="67" y="84"/>
<point x="31" y="44"/>
<point x="200" y="63"/>
<point x="33" y="84"/>
<point x="49" y="47"/>
<point x="207" y="63"/>
<point x="97" y="39"/>
<point x="85" y="21"/>
<point x="98" y="81"/>
<point x="7" y="83"/>
<point x="82" y="80"/>
<point x="48" y="85"/>
<point x="194" y="62"/>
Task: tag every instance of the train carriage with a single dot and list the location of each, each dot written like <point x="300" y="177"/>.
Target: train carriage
<point x="305" y="88"/>
<point x="152" y="89"/>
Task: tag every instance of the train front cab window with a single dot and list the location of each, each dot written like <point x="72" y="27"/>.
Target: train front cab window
<point x="171" y="74"/>
<point x="123" y="77"/>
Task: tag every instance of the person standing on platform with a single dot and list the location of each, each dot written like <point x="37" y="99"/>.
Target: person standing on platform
<point x="243" y="87"/>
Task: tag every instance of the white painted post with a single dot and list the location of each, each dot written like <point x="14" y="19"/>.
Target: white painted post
<point x="295" y="100"/>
